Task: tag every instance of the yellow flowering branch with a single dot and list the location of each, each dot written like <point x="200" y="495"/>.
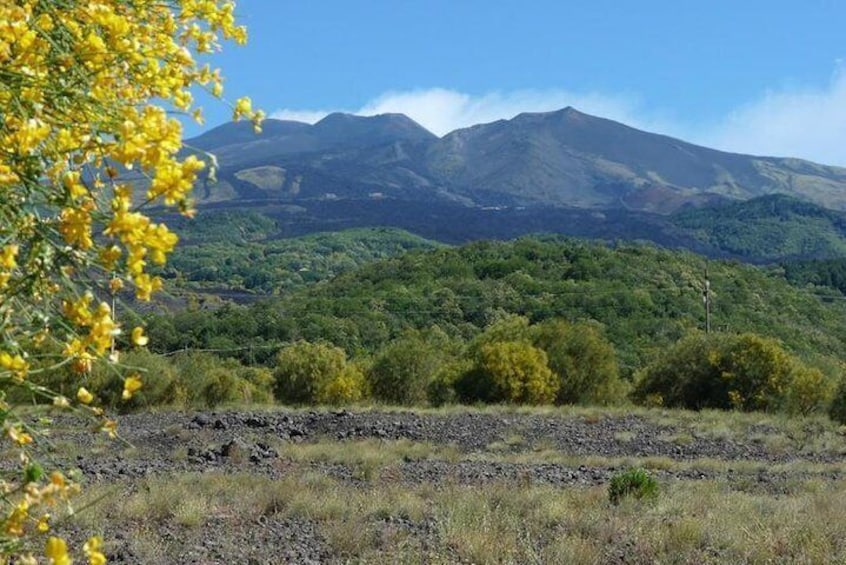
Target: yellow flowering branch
<point x="83" y="149"/>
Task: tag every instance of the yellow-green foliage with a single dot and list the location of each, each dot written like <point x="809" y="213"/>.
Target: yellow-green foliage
<point x="348" y="386"/>
<point x="584" y="362"/>
<point x="518" y="372"/>
<point x="745" y="372"/>
<point x="159" y="377"/>
<point x="809" y="392"/>
<point x="402" y="371"/>
<point x="316" y="372"/>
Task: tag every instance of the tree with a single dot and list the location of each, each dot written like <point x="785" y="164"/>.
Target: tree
<point x="316" y="372"/>
<point x="518" y="372"/>
<point x="743" y="372"/>
<point x="583" y="361"/>
<point x="86" y="143"/>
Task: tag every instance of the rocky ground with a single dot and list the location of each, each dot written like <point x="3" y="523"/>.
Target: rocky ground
<point x="578" y="450"/>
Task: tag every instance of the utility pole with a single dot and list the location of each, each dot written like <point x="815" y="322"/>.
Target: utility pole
<point x="706" y="298"/>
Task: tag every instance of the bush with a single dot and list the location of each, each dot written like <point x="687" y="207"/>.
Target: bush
<point x="517" y="372"/>
<point x="345" y="388"/>
<point x="403" y="370"/>
<point x="634" y="483"/>
<point x="442" y="387"/>
<point x="157" y="373"/>
<point x="837" y="410"/>
<point x="743" y="372"/>
<point x="809" y="392"/>
<point x="584" y="362"/>
<point x="316" y="372"/>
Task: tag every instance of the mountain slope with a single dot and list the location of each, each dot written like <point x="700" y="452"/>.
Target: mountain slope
<point x="563" y="158"/>
<point x="645" y="298"/>
<point x="570" y="158"/>
<point x="773" y="227"/>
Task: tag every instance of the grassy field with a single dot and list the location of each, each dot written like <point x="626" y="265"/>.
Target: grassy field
<point x="374" y="500"/>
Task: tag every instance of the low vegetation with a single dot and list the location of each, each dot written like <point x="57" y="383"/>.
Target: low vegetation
<point x="634" y="483"/>
<point x="358" y="500"/>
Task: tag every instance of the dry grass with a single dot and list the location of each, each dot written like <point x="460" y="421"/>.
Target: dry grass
<point x="691" y="522"/>
<point x="380" y="518"/>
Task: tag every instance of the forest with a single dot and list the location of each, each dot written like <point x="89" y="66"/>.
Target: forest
<point x="381" y="315"/>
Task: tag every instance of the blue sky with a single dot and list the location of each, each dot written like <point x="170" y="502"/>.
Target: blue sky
<point x="762" y="77"/>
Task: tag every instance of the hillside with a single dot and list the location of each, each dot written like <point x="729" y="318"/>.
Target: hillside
<point x="774" y="227"/>
<point x="218" y="250"/>
<point x="240" y="252"/>
<point x="644" y="298"/>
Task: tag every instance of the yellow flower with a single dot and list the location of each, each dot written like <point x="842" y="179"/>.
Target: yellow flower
<point x="138" y="337"/>
<point x="84" y="396"/>
<point x="92" y="549"/>
<point x="57" y="551"/>
<point x="17" y="518"/>
<point x="243" y="109"/>
<point x="115" y="285"/>
<point x="17" y="435"/>
<point x="8" y="255"/>
<point x="110" y="427"/>
<point x="14" y="363"/>
<point x="43" y="524"/>
<point x="130" y="386"/>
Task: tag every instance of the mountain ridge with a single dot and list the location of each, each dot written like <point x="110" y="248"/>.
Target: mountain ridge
<point x="562" y="171"/>
<point x="559" y="158"/>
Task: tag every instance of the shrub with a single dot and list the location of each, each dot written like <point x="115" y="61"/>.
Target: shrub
<point x="402" y="371"/>
<point x="583" y="361"/>
<point x="349" y="386"/>
<point x="157" y="373"/>
<point x="517" y="372"/>
<point x="837" y="410"/>
<point x="810" y="391"/>
<point x="442" y="388"/>
<point x="744" y="372"/>
<point x="261" y="379"/>
<point x="316" y="372"/>
<point x="634" y="483"/>
<point x="508" y="328"/>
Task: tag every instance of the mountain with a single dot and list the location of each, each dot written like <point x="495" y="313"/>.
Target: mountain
<point x="563" y="158"/>
<point x="564" y="172"/>
<point x="574" y="159"/>
<point x="772" y="227"/>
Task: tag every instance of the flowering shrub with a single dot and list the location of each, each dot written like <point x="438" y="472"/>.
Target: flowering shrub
<point x="86" y="143"/>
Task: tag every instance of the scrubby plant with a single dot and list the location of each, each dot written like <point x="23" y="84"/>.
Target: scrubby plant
<point x="633" y="483"/>
<point x="402" y="371"/>
<point x="584" y="362"/>
<point x="158" y="374"/>
<point x="316" y="372"/>
<point x="517" y="372"/>
<point x="728" y="371"/>
<point x="442" y="388"/>
<point x="87" y="93"/>
<point x="810" y="391"/>
<point x="346" y="387"/>
<point x="837" y="409"/>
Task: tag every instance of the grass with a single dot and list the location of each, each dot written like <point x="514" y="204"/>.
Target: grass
<point x="690" y="522"/>
<point x="796" y="515"/>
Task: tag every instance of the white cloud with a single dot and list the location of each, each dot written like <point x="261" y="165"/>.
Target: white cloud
<point x="441" y="110"/>
<point x="307" y="116"/>
<point x="806" y="123"/>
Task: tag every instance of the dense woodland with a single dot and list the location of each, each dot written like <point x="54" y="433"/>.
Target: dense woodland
<point x="382" y="315"/>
